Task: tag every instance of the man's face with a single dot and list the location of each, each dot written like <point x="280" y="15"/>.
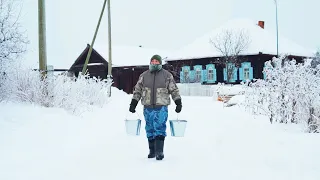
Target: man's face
<point x="154" y="61"/>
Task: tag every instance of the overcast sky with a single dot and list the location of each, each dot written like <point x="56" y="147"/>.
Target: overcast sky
<point x="161" y="24"/>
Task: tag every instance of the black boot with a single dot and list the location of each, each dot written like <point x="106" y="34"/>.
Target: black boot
<point x="159" y="143"/>
<point x="152" y="153"/>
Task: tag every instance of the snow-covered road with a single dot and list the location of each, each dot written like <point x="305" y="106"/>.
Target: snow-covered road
<point x="220" y="143"/>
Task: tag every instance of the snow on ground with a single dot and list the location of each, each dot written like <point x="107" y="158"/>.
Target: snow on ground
<point x="228" y="90"/>
<point x="220" y="143"/>
<point x="237" y="99"/>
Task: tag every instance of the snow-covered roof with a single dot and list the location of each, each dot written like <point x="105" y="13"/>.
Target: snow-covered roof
<point x="121" y="56"/>
<point x="129" y="55"/>
<point x="261" y="40"/>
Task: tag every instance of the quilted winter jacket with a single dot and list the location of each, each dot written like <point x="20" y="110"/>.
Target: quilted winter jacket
<point x="154" y="89"/>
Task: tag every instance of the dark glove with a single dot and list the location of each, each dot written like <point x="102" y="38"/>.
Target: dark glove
<point x="178" y="105"/>
<point x="133" y="105"/>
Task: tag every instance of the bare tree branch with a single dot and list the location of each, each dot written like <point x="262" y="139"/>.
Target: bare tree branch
<point x="231" y="43"/>
<point x="12" y="40"/>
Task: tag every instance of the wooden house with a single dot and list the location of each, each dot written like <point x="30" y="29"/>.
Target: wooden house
<point x="97" y="66"/>
<point x="128" y="64"/>
<point x="194" y="63"/>
<point x="197" y="62"/>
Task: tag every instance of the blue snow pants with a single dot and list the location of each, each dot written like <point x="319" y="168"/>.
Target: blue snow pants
<point x="156" y="119"/>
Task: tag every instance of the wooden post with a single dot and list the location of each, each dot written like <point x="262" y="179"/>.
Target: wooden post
<point x="42" y="37"/>
<point x="93" y="40"/>
<point x="276" y="3"/>
<point x="109" y="37"/>
<point x="42" y="46"/>
<point x="110" y="48"/>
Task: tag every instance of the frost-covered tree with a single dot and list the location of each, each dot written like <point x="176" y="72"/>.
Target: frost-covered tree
<point x="316" y="60"/>
<point x="289" y="94"/>
<point x="13" y="40"/>
<point x="230" y="44"/>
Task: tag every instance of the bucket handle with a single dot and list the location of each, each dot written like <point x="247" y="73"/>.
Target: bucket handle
<point x="133" y="113"/>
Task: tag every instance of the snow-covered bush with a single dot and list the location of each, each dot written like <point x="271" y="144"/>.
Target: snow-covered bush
<point x="76" y="95"/>
<point x="289" y="94"/>
<point x="315" y="61"/>
<point x="21" y="84"/>
<point x="79" y="94"/>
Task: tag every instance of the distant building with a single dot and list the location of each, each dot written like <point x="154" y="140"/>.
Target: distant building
<point x="196" y="62"/>
<point x="127" y="64"/>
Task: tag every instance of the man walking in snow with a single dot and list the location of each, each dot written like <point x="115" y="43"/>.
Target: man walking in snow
<point x="154" y="87"/>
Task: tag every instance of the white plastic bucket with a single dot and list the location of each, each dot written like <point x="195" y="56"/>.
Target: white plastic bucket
<point x="178" y="127"/>
<point x="133" y="127"/>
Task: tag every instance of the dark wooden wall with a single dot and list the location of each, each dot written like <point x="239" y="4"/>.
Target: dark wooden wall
<point x="125" y="78"/>
<point x="257" y="62"/>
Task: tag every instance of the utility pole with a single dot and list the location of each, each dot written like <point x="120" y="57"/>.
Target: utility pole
<point x="42" y="45"/>
<point x="276" y="3"/>
<point x="110" y="48"/>
<point x="42" y="37"/>
<point x="84" y="69"/>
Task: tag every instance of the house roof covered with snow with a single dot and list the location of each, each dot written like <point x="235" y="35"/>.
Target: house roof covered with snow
<point x="130" y="55"/>
<point x="121" y="56"/>
<point x="261" y="41"/>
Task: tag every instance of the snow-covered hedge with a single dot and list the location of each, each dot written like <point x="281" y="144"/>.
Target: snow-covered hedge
<point x="289" y="94"/>
<point x="21" y="84"/>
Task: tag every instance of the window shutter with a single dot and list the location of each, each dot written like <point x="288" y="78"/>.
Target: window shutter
<point x="181" y="77"/>
<point x="241" y="74"/>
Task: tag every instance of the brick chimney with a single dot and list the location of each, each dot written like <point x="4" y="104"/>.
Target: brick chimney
<point x="261" y="24"/>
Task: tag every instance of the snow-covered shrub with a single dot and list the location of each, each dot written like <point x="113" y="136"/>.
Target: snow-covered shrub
<point x="79" y="94"/>
<point x="76" y="95"/>
<point x="315" y="61"/>
<point x="289" y="94"/>
<point x="22" y="85"/>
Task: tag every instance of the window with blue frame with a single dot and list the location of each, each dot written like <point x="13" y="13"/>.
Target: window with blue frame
<point x="198" y="73"/>
<point x="186" y="77"/>
<point x="246" y="71"/>
<point x="233" y="75"/>
<point x="185" y="74"/>
<point x="181" y="77"/>
<point x="211" y="73"/>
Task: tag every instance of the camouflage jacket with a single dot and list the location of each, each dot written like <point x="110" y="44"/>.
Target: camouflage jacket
<point x="154" y="88"/>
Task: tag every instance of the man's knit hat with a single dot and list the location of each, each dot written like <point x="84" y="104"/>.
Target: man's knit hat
<point x="157" y="57"/>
